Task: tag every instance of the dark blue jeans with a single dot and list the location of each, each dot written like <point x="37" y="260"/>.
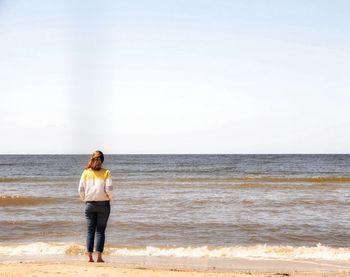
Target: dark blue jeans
<point x="96" y="213"/>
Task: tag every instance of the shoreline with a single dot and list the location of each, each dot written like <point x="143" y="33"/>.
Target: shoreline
<point x="58" y="265"/>
<point x="76" y="268"/>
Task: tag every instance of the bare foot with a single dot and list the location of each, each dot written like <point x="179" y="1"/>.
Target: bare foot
<point x="91" y="260"/>
<point x="99" y="258"/>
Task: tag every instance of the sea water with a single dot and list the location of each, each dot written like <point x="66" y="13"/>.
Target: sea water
<point x="194" y="206"/>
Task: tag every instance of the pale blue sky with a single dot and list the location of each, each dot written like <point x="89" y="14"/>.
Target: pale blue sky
<point x="175" y="76"/>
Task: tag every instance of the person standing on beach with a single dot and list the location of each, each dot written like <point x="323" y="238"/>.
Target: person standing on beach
<point x="95" y="189"/>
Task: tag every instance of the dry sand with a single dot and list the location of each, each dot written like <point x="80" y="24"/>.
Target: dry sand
<point x="77" y="268"/>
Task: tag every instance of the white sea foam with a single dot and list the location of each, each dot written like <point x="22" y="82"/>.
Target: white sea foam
<point x="318" y="252"/>
<point x="38" y="248"/>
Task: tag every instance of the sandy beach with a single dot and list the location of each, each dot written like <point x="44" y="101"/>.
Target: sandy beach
<point x="77" y="268"/>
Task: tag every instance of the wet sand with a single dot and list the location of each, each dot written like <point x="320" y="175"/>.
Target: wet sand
<point x="80" y="268"/>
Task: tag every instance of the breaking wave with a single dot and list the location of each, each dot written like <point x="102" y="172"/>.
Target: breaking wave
<point x="318" y="252"/>
<point x="316" y="179"/>
<point x="16" y="200"/>
<point x="9" y="180"/>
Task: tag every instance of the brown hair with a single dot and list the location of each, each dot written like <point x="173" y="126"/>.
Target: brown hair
<point x="95" y="161"/>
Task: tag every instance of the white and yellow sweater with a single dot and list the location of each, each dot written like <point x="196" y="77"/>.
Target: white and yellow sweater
<point x="96" y="185"/>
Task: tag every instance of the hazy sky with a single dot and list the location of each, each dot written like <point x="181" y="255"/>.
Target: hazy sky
<point x="248" y="76"/>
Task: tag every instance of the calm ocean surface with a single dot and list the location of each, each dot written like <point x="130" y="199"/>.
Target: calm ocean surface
<point x="214" y="205"/>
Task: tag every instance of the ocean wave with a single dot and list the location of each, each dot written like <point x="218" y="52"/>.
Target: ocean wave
<point x="316" y="179"/>
<point x="9" y="180"/>
<point x="16" y="200"/>
<point x="318" y="252"/>
<point x="38" y="248"/>
<point x="54" y="180"/>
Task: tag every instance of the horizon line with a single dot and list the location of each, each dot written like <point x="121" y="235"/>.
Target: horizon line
<point x="74" y="154"/>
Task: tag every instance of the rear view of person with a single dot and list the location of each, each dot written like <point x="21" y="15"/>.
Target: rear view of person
<point x="95" y="189"/>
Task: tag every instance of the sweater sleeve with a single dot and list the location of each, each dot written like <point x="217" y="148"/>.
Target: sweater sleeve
<point x="82" y="185"/>
<point x="109" y="186"/>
